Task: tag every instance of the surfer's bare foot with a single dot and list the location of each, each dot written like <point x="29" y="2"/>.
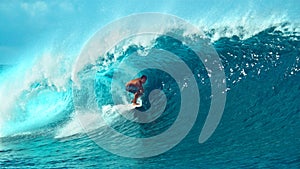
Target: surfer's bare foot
<point x="135" y="104"/>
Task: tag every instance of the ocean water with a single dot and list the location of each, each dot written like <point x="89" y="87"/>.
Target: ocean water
<point x="46" y="122"/>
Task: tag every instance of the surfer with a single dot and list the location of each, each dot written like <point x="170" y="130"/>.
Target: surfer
<point x="135" y="86"/>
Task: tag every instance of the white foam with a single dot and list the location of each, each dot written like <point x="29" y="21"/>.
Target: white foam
<point x="51" y="70"/>
<point x="86" y="121"/>
<point x="76" y="126"/>
<point x="242" y="26"/>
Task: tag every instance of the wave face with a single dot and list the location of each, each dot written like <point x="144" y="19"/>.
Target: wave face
<point x="40" y="125"/>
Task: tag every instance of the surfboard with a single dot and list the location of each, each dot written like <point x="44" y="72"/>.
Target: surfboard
<point x="140" y="104"/>
<point x="135" y="106"/>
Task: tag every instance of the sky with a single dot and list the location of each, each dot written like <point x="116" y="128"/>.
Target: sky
<point x="29" y="27"/>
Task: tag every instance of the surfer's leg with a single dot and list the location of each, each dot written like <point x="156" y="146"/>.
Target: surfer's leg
<point x="135" y="90"/>
<point x="136" y="96"/>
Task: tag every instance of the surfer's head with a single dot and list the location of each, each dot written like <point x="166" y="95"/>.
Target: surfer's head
<point x="143" y="78"/>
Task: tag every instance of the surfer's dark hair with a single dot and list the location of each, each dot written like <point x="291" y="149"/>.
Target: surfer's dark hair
<point x="144" y="77"/>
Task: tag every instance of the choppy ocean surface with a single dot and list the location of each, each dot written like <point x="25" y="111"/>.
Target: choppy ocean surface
<point x="260" y="126"/>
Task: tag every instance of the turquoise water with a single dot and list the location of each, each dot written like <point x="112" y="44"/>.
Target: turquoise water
<point x="258" y="43"/>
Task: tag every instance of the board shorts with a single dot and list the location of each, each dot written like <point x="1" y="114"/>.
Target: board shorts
<point x="132" y="89"/>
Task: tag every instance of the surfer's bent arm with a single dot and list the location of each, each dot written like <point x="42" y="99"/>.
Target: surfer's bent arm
<point x="130" y="83"/>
